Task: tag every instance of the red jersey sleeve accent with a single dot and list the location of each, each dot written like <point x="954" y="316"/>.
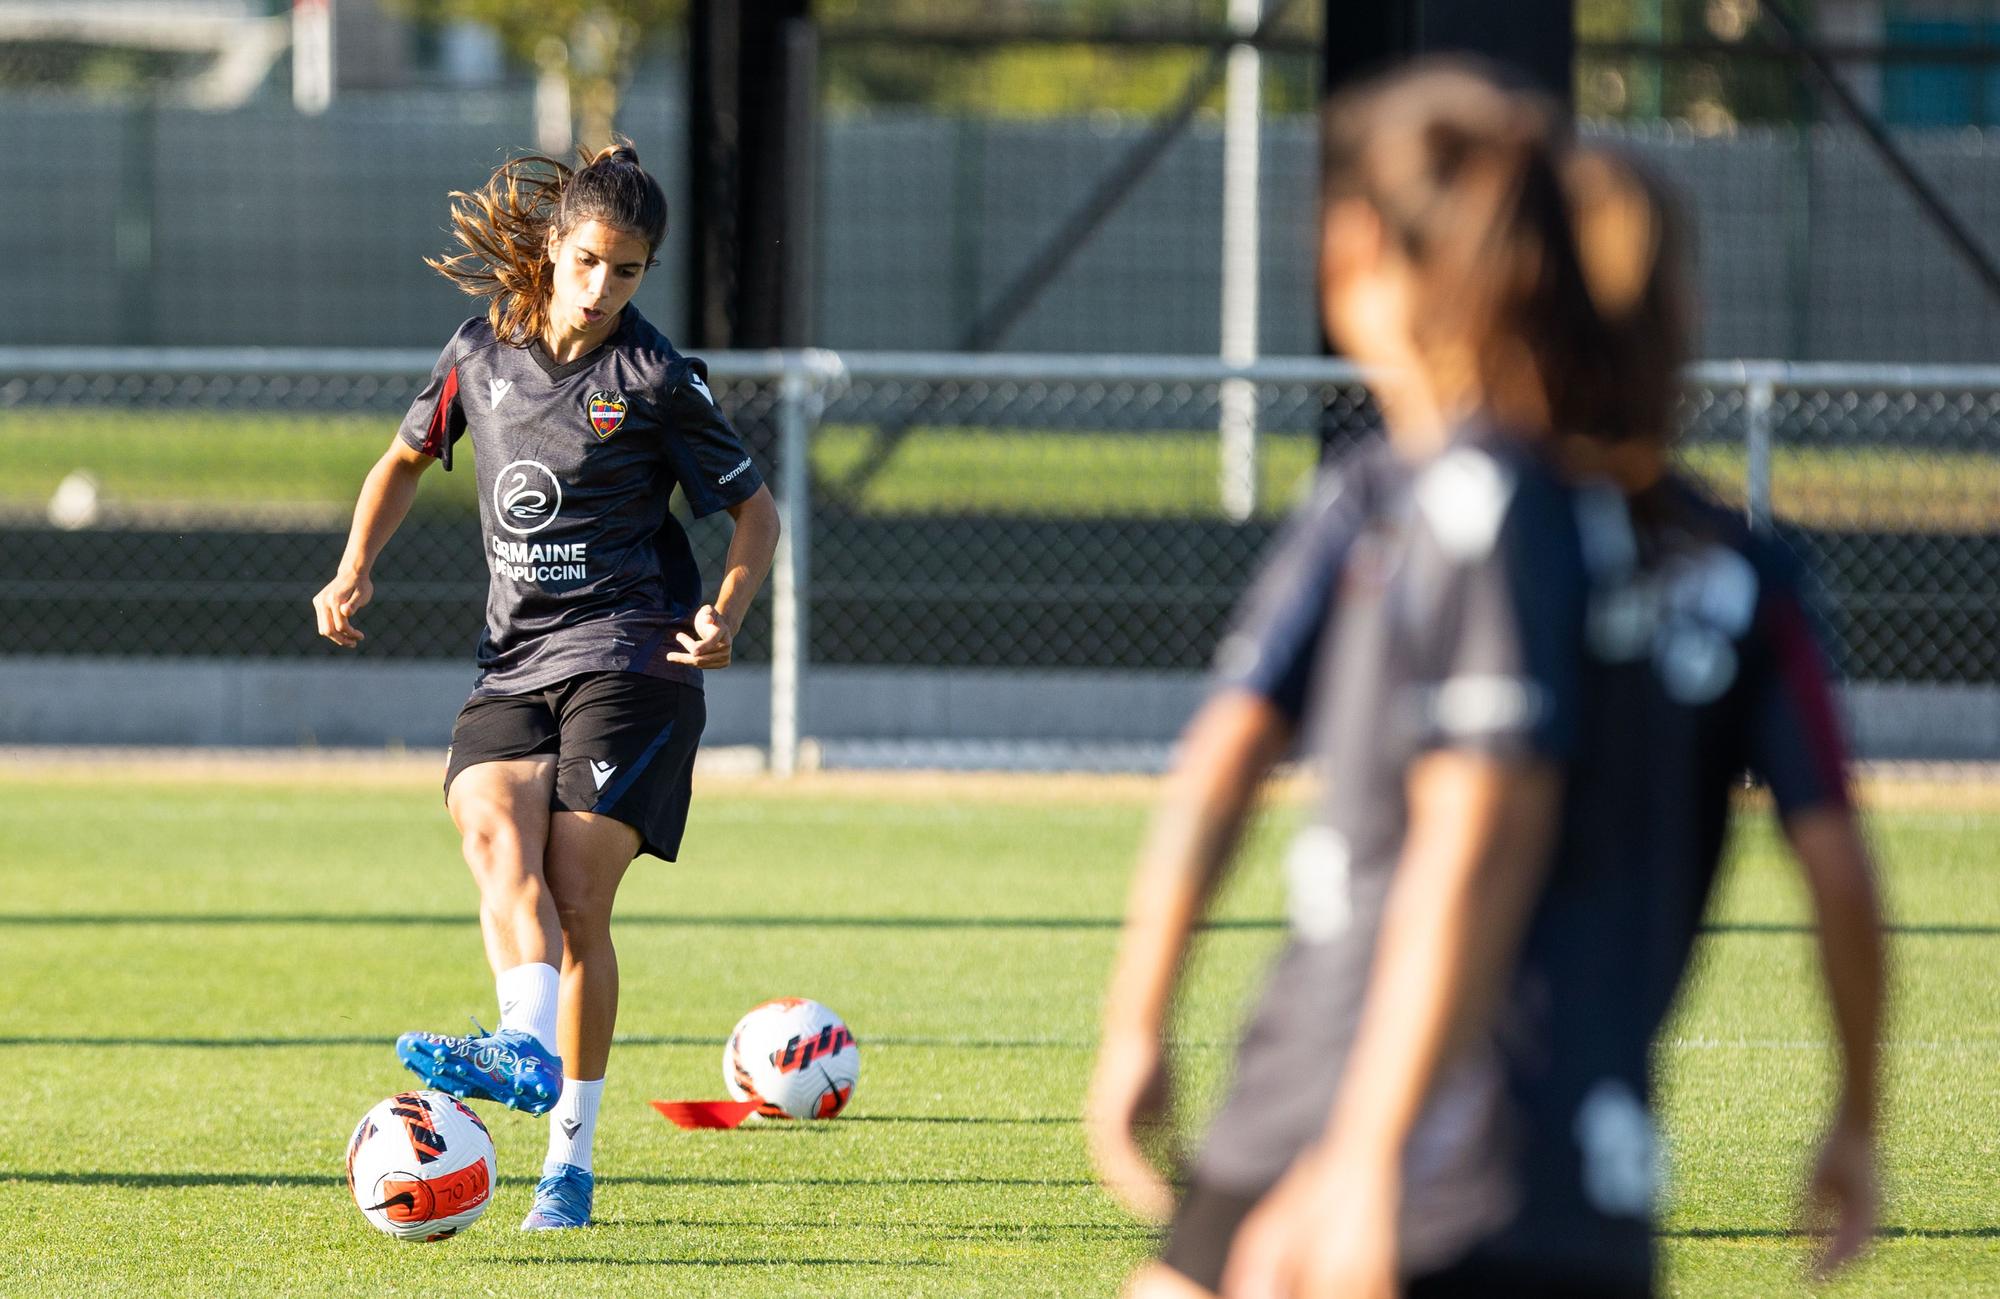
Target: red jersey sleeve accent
<point x="1802" y="681"/>
<point x="437" y="434"/>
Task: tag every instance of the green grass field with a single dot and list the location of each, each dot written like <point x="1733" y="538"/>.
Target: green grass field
<point x="201" y="979"/>
<point x="315" y="465"/>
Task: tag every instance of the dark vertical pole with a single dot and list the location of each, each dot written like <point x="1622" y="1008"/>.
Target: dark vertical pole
<point x="714" y="37"/>
<point x="801" y="183"/>
<point x="1537" y="38"/>
<point x="743" y="165"/>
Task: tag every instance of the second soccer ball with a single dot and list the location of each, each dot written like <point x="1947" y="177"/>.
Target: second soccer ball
<point x="794" y="1057"/>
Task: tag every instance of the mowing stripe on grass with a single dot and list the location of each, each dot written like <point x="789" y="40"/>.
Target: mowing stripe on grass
<point x="1267" y="924"/>
<point x="357" y="1040"/>
<point x="167" y="918"/>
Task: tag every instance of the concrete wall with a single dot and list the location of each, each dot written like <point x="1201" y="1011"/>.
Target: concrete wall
<point x="859" y="716"/>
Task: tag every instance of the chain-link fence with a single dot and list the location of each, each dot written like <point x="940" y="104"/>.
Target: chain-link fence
<point x="945" y="512"/>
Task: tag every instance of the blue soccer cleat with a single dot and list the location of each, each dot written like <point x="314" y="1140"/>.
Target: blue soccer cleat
<point x="562" y="1199"/>
<point x="509" y="1066"/>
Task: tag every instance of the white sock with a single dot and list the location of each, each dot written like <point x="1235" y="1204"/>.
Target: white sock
<point x="573" y="1123"/>
<point x="528" y="1001"/>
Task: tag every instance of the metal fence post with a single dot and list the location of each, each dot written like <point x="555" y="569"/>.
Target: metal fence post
<point x="798" y="393"/>
<point x="1759" y="392"/>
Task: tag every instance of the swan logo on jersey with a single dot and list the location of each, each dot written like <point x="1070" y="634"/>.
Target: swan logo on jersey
<point x="526" y="497"/>
<point x="607" y="412"/>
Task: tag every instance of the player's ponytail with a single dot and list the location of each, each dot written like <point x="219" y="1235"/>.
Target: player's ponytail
<point x="504" y="228"/>
<point x="1632" y="246"/>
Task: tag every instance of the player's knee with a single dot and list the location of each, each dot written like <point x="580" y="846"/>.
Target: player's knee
<point x="584" y="912"/>
<point x="490" y="839"/>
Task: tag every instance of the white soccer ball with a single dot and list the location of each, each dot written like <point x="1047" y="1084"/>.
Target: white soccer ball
<point x="420" y="1166"/>
<point x="794" y="1057"/>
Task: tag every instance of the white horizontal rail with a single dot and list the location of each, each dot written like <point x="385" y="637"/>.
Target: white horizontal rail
<point x="1004" y="367"/>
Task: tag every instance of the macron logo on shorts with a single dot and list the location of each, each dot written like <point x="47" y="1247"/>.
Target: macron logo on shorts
<point x="602" y="771"/>
<point x="732" y="473"/>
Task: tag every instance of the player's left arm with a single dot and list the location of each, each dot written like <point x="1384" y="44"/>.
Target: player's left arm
<point x="716" y="472"/>
<point x="751" y="548"/>
<point x="1798" y="750"/>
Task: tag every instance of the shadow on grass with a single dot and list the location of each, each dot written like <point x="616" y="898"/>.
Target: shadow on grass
<point x="1039" y="1231"/>
<point x="167" y="919"/>
<point x="384" y="1041"/>
<point x="234" y="918"/>
<point x="572" y="1260"/>
<point x="1800" y="1233"/>
<point x="1743" y="928"/>
<point x="179" y="1181"/>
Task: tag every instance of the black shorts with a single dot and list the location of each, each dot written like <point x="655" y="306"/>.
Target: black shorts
<point x="1207" y="1219"/>
<point x="623" y="743"/>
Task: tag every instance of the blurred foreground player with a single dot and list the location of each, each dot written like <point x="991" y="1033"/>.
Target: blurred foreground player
<point x="574" y="753"/>
<point x="1504" y="738"/>
<point x="1699" y="663"/>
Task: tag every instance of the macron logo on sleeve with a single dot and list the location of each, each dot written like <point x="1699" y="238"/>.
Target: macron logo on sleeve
<point x="701" y="387"/>
<point x="497" y="389"/>
<point x="734" y="472"/>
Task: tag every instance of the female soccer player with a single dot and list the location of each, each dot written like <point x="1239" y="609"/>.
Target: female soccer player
<point x="574" y="752"/>
<point x="1497" y="669"/>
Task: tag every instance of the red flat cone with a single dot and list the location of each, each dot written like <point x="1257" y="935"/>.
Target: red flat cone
<point x="705" y="1114"/>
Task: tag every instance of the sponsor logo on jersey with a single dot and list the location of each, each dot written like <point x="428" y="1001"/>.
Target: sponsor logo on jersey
<point x="526" y="497"/>
<point x="701" y="387"/>
<point x="496" y="389"/>
<point x="526" y="561"/>
<point x="732" y="473"/>
<point x="607" y="412"/>
<point x="602" y="771"/>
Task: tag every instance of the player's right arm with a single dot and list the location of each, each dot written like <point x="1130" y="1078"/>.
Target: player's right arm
<point x="384" y="503"/>
<point x="1226" y="752"/>
<point x="1232" y="743"/>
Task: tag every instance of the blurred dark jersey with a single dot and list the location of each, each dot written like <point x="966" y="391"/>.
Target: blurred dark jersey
<point x="1410" y="609"/>
<point x="576" y="462"/>
<point x="1480" y="602"/>
<point x="1702" y="665"/>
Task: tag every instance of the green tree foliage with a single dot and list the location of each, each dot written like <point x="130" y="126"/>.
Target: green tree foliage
<point x="592" y="44"/>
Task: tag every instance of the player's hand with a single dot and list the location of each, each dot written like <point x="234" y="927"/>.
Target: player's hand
<point x="1326" y="1231"/>
<point x="709" y="647"/>
<point x="337" y="603"/>
<point x="1843" y="1197"/>
<point x="1127" y="1101"/>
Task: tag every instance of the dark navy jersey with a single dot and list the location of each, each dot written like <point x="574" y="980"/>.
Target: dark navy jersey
<point x="1479" y="601"/>
<point x="576" y="464"/>
<point x="1701" y="665"/>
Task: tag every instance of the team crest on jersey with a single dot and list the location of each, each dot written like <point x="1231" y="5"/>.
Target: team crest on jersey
<point x="607" y="412"/>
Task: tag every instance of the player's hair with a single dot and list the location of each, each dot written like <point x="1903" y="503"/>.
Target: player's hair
<point x="1467" y="177"/>
<point x="504" y="228"/>
<point x="1632" y="243"/>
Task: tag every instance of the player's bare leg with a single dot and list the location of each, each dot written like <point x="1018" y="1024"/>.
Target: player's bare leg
<point x="501" y="810"/>
<point x="587" y="859"/>
<point x="502" y="813"/>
